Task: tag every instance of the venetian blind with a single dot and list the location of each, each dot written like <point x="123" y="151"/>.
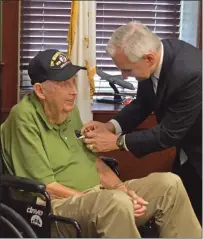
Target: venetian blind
<point x="44" y="24"/>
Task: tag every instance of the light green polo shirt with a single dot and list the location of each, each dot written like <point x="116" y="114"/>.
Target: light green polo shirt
<point x="37" y="149"/>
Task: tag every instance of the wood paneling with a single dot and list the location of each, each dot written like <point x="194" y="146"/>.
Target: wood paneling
<point x="130" y="166"/>
<point x="9" y="77"/>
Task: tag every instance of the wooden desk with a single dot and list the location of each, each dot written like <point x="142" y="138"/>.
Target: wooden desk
<point x="130" y="166"/>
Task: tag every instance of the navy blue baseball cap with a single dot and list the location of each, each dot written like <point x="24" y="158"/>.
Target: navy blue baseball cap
<point x="53" y="65"/>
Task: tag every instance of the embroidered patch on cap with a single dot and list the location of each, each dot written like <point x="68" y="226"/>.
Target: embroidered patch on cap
<point x="59" y="60"/>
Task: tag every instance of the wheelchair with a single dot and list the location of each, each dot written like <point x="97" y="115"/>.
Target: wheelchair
<point x="20" y="216"/>
<point x="15" y="224"/>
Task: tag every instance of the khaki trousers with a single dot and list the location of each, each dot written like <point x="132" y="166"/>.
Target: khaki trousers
<point x="109" y="213"/>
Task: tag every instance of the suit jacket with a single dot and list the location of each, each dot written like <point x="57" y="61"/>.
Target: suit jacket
<point x="177" y="106"/>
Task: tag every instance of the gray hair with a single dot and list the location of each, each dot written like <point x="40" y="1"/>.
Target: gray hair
<point x="135" y="40"/>
<point x="48" y="84"/>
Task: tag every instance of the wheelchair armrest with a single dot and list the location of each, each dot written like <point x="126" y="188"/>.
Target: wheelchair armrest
<point x="22" y="183"/>
<point x="111" y="162"/>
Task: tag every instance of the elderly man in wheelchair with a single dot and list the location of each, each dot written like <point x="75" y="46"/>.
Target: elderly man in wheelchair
<point x="41" y="141"/>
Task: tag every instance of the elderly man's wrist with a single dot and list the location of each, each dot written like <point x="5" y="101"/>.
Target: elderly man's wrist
<point x="121" y="186"/>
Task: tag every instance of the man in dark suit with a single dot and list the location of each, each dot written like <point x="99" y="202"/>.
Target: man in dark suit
<point x="169" y="74"/>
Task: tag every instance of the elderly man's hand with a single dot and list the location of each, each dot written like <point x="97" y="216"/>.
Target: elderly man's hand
<point x="139" y="204"/>
<point x="100" y="140"/>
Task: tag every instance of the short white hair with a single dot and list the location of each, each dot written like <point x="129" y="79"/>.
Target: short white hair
<point x="135" y="40"/>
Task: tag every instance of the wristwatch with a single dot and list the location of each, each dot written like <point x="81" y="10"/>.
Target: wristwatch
<point x="120" y="142"/>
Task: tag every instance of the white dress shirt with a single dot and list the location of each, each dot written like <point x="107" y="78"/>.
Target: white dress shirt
<point x="155" y="78"/>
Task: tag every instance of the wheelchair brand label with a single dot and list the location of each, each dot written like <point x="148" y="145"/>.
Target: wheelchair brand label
<point x="36" y="220"/>
<point x="34" y="211"/>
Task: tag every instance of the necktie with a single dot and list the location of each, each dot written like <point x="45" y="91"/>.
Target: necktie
<point x="154" y="83"/>
<point x="152" y="92"/>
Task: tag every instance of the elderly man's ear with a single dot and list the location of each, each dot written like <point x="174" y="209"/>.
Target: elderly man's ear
<point x="39" y="91"/>
<point x="150" y="58"/>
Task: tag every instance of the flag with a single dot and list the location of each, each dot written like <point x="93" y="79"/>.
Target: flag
<point x="82" y="52"/>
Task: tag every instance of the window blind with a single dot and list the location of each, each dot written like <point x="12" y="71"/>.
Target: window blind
<point x="161" y="16"/>
<point x="44" y="24"/>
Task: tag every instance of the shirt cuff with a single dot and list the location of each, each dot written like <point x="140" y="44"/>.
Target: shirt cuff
<point x="125" y="143"/>
<point x="117" y="126"/>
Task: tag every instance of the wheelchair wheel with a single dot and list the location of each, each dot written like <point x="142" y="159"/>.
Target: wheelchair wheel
<point x="13" y="224"/>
